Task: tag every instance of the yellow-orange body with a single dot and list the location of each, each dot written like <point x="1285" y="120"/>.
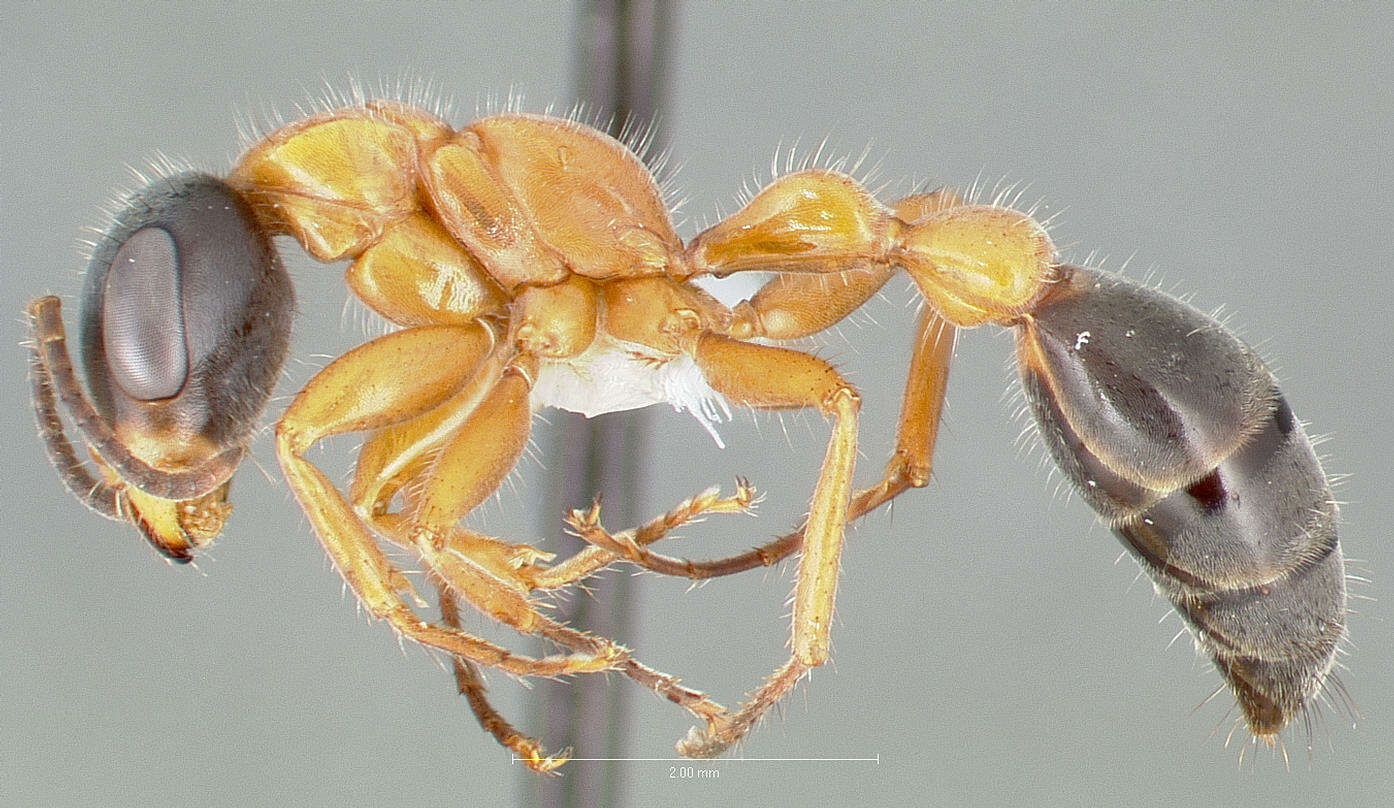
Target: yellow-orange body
<point x="527" y="245"/>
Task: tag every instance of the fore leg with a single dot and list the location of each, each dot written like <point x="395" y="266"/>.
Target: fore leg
<point x="367" y="389"/>
<point x="487" y="572"/>
<point x="488" y="557"/>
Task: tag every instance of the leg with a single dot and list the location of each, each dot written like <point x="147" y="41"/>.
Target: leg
<point x="798" y="304"/>
<point x="486" y="556"/>
<point x="496" y="577"/>
<point x="919" y="422"/>
<point x="631" y="544"/>
<point x="471" y="686"/>
<point x="467" y="469"/>
<point x="771" y="377"/>
<point x="909" y="467"/>
<point x="395" y="454"/>
<point x="473" y="440"/>
<point x="367" y="389"/>
<point x="920" y="410"/>
<point x="377" y="583"/>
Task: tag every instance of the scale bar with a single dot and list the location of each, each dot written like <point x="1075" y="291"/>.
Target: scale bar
<point x="711" y="761"/>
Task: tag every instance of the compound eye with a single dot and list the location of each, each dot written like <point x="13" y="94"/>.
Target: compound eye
<point x="187" y="311"/>
<point x="142" y="319"/>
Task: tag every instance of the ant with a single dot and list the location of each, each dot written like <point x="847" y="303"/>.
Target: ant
<point x="530" y="261"/>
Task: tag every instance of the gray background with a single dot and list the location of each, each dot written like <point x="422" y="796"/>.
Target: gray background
<point x="988" y="645"/>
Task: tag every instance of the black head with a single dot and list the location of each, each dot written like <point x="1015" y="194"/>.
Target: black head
<point x="185" y="323"/>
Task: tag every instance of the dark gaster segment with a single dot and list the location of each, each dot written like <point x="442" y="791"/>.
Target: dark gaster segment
<point x="1176" y="433"/>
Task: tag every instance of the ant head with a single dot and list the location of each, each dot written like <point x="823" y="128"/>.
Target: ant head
<point x="185" y="323"/>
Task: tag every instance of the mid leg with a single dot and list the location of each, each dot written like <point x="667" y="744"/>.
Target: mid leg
<point x="632" y="544"/>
